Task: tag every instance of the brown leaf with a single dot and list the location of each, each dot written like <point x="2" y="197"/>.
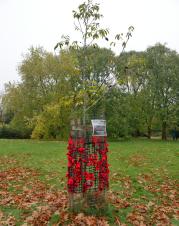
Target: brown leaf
<point x="118" y="221"/>
<point x="1" y="215"/>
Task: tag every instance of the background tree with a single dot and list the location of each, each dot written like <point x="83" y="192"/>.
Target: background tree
<point x="131" y="74"/>
<point x="163" y="67"/>
<point x="137" y="91"/>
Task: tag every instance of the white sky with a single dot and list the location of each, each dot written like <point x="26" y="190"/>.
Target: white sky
<point x="24" y="23"/>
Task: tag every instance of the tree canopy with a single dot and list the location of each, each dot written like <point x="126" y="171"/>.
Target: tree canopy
<point x="140" y="96"/>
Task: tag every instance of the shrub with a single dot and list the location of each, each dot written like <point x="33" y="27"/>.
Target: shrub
<point x="12" y="133"/>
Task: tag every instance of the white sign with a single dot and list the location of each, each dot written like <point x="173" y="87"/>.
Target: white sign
<point x="99" y="127"/>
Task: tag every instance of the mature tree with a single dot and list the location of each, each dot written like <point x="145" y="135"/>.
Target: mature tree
<point x="47" y="80"/>
<point x="14" y="107"/>
<point x="163" y="65"/>
<point x="148" y="104"/>
<point x="1" y="109"/>
<point x="131" y="77"/>
<point x="117" y="113"/>
<point x="50" y="92"/>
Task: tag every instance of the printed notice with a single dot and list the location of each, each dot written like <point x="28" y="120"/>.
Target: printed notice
<point x="99" y="127"/>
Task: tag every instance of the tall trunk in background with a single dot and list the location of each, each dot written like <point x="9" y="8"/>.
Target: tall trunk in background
<point x="164" y="130"/>
<point x="149" y="131"/>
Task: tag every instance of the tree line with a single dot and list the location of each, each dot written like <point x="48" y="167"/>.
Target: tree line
<point x="137" y="92"/>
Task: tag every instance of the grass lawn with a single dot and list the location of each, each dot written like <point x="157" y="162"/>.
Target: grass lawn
<point x="143" y="184"/>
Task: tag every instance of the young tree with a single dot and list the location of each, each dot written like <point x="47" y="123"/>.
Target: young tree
<point x="87" y="18"/>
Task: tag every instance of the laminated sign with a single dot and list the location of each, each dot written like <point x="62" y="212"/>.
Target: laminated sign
<point x="99" y="127"/>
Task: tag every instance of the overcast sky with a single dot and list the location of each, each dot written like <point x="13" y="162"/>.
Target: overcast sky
<point x="24" y="23"/>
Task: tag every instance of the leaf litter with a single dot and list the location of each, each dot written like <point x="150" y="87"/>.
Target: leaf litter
<point x="38" y="202"/>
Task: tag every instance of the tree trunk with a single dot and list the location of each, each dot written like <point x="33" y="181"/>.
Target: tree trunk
<point x="164" y="130"/>
<point x="149" y="132"/>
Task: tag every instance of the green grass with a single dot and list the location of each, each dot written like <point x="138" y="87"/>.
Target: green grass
<point x="126" y="157"/>
<point x="139" y="156"/>
<point x="134" y="165"/>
